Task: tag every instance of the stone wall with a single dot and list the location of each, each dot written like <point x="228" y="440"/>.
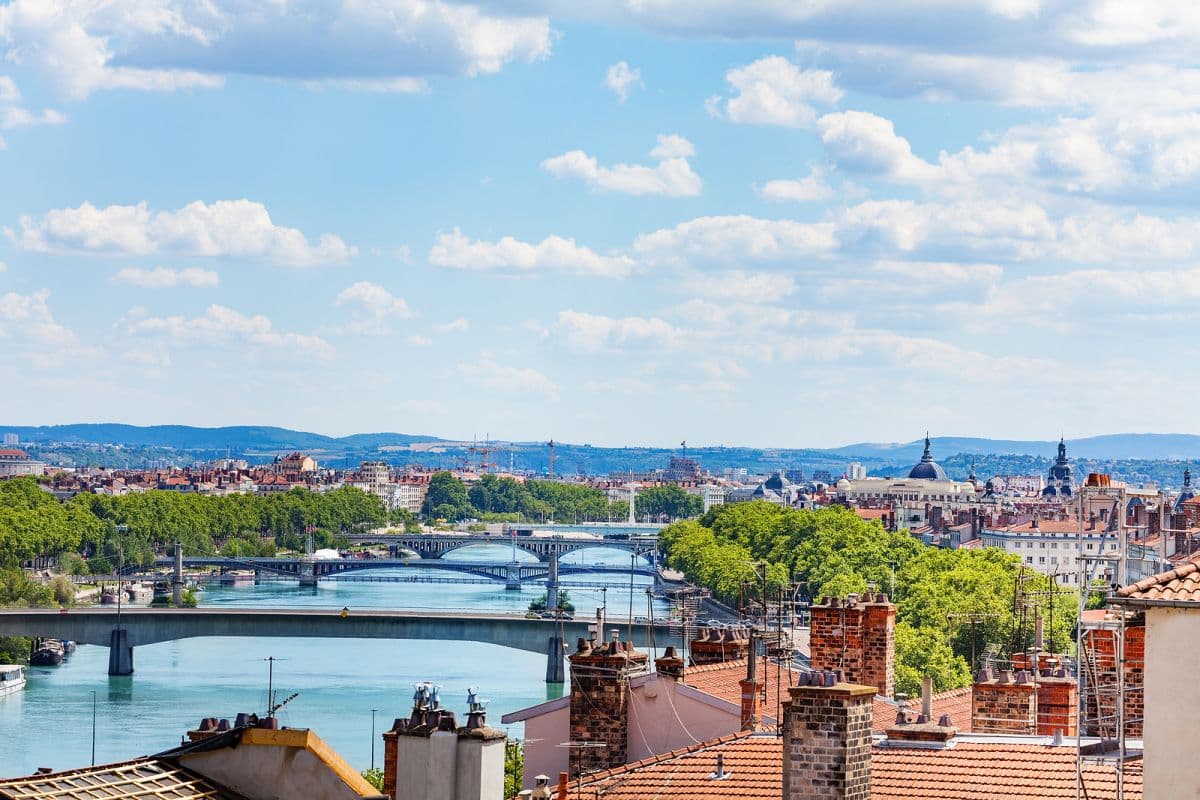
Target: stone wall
<point x="827" y="742"/>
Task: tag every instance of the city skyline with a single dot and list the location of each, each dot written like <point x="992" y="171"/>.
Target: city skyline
<point x="609" y="223"/>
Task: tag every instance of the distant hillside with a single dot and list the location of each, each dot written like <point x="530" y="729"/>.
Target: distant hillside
<point x="237" y="438"/>
<point x="1180" y="446"/>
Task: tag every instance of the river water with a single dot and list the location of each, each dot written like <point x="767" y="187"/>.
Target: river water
<point x="339" y="681"/>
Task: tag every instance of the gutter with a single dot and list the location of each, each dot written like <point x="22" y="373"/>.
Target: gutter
<point x="1139" y="602"/>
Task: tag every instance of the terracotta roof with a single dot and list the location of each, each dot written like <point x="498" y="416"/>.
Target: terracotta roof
<point x="872" y="513"/>
<point x="1179" y="584"/>
<point x="723" y="681"/>
<point x="1052" y="526"/>
<point x="145" y="779"/>
<point x="971" y="770"/>
<point x="955" y="702"/>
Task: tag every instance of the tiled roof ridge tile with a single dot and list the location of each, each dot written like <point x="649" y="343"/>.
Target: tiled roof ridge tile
<point x="1182" y="571"/>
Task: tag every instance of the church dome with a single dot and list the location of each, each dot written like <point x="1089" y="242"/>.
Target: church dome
<point x="927" y="469"/>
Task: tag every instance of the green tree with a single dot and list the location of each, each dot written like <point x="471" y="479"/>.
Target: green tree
<point x="514" y="767"/>
<point x="374" y="776"/>
<point x="668" y="501"/>
<point x="447" y="497"/>
<point x="923" y="652"/>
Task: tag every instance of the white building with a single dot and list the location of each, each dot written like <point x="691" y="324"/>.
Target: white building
<point x="856" y="471"/>
<point x="18" y="462"/>
<point x="11" y="440"/>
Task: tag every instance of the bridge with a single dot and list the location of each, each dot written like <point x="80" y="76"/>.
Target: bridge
<point x="436" y="545"/>
<point x="142" y="626"/>
<point x="512" y="573"/>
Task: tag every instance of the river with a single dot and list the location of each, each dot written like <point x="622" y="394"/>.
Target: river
<point x="338" y="681"/>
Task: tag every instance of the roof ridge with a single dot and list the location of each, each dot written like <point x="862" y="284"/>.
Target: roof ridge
<point x="1181" y="571"/>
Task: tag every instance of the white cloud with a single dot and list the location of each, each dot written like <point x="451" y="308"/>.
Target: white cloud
<point x="593" y="332"/>
<point x="621" y="78"/>
<point x="230" y="228"/>
<point x="419" y="341"/>
<point x="863" y="142"/>
<point x="460" y="325"/>
<point x="553" y="254"/>
<point x="774" y="91"/>
<point x="27" y="317"/>
<point x="808" y="189"/>
<point x="672" y="176"/>
<point x="372" y="305"/>
<point x="739" y="285"/>
<point x="88" y="45"/>
<point x="225" y="327"/>
<point x="524" y="381"/>
<point x="730" y="239"/>
<point x="166" y="278"/>
<point x="13" y="115"/>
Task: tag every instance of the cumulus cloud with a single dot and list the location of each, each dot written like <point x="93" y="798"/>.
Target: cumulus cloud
<point x="372" y="305"/>
<point x="87" y="45"/>
<point x="14" y="115"/>
<point x="809" y="189"/>
<point x="672" y="176"/>
<point x="223" y="326"/>
<point x="863" y="142"/>
<point x="27" y="318"/>
<point x="593" y="332"/>
<point x="729" y="239"/>
<point x="739" y="285"/>
<point x="167" y="278"/>
<point x="230" y="228"/>
<point x="524" y="381"/>
<point x="774" y="91"/>
<point x="454" y="250"/>
<point x="621" y="78"/>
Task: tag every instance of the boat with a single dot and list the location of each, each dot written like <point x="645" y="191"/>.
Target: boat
<point x="68" y="647"/>
<point x="47" y="653"/>
<point x="12" y="679"/>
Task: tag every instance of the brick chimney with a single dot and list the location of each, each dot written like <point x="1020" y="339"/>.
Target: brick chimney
<point x="751" y="692"/>
<point x="1100" y="646"/>
<point x="716" y="646"/>
<point x="599" y="719"/>
<point x="1004" y="702"/>
<point x="827" y="739"/>
<point x="857" y="637"/>
<point x="669" y="665"/>
<point x="1057" y="693"/>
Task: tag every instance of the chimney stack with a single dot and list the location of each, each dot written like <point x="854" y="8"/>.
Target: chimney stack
<point x="599" y="719"/>
<point x="857" y="637"/>
<point x="716" y="645"/>
<point x="669" y="665"/>
<point x="428" y="755"/>
<point x="751" y="690"/>
<point x="827" y="739"/>
<point x="1003" y="702"/>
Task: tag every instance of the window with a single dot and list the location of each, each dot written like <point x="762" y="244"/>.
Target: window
<point x="1042" y="545"/>
<point x="1054" y="545"/>
<point x="1041" y="559"/>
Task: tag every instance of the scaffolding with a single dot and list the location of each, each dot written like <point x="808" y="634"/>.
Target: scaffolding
<point x="1107" y="683"/>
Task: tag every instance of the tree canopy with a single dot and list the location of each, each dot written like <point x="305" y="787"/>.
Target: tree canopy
<point x="950" y="604"/>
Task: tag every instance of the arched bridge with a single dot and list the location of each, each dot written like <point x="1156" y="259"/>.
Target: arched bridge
<point x="436" y="545"/>
<point x="519" y="572"/>
<point x="142" y="626"/>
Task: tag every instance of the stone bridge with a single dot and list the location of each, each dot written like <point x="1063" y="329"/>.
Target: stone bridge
<point x="436" y="545"/>
<point x="143" y="626"/>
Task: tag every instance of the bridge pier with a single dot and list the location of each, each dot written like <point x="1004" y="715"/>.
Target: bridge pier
<point x="120" y="653"/>
<point x="555" y="673"/>
<point x="177" y="577"/>
<point x="552" y="584"/>
<point x="512" y="578"/>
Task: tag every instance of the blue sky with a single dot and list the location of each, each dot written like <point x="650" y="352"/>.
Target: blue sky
<point x="762" y="222"/>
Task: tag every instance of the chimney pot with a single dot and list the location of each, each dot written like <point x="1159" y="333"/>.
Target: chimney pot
<point x="983" y="676"/>
<point x="944" y="721"/>
<point x="1022" y="677"/>
<point x="1005" y="676"/>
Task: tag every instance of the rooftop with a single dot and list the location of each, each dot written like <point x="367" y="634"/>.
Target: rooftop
<point x="1179" y="585"/>
<point x="980" y="769"/>
<point x="144" y="779"/>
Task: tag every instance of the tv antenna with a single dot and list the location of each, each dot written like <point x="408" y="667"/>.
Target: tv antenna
<point x="272" y="706"/>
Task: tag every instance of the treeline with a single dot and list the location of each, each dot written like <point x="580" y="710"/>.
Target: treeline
<point x="951" y="605"/>
<point x="134" y="528"/>
<point x="493" y="497"/>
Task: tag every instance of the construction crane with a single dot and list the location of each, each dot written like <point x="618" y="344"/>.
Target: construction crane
<point x="483" y="451"/>
<point x="550" y="446"/>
